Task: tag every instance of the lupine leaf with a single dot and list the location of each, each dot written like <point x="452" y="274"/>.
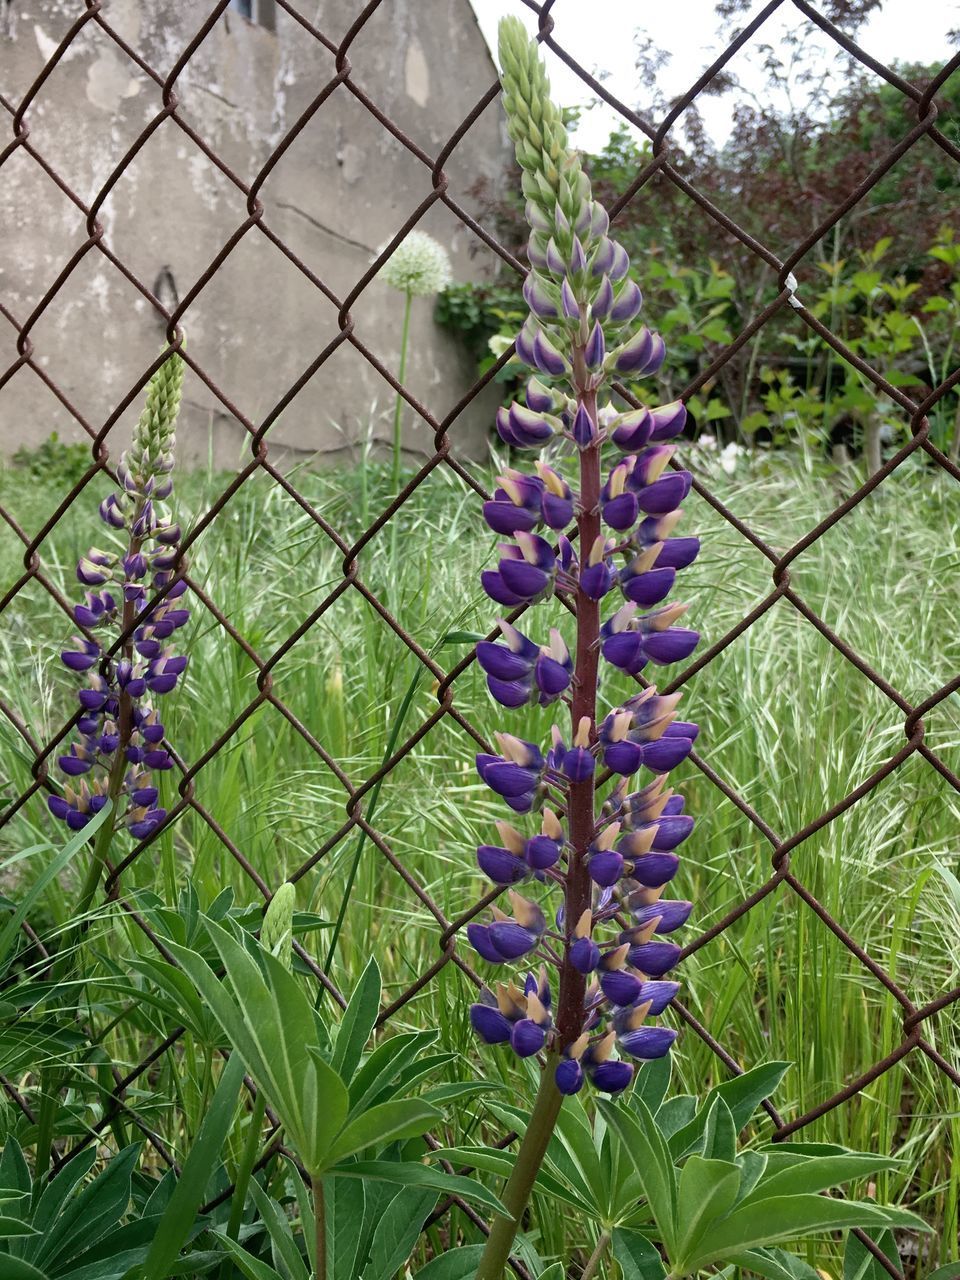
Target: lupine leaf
<point x="344" y="1201"/>
<point x="860" y="1264"/>
<point x="645" y="1145"/>
<point x="91" y="1214"/>
<point x="283" y="1246"/>
<point x="251" y="1267"/>
<point x="16" y="1227"/>
<point x="397" y="1232"/>
<point x="784" y="1218"/>
<point x="358" y="1022"/>
<point x="776" y="1264"/>
<point x="752" y="1166"/>
<point x="458" y="1264"/>
<point x="494" y="1160"/>
<point x="404" y="1118"/>
<point x="743" y="1094"/>
<point x="675" y="1113"/>
<point x="720" y="1136"/>
<point x="383" y="1066"/>
<point x="708" y="1189"/>
<point x="819" y="1173"/>
<point x="554" y="1272"/>
<point x="204" y="1155"/>
<point x="638" y="1258"/>
<point x="18" y="1269"/>
<point x="577" y="1136"/>
<point x="408" y="1174"/>
<point x="652" y="1083"/>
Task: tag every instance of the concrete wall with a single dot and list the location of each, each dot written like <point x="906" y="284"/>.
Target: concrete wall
<point x="341" y="191"/>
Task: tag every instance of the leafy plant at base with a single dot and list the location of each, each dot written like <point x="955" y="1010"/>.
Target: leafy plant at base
<point x="333" y="1104"/>
<point x="671" y="1193"/>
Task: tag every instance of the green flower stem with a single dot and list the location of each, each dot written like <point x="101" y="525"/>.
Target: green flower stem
<point x="580" y="814"/>
<point x="398" y="423"/>
<point x="516" y="1193"/>
<point x="594" y="1260"/>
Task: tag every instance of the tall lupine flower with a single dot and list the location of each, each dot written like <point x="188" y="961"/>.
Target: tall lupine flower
<point x="610" y="851"/>
<point x="120" y="734"/>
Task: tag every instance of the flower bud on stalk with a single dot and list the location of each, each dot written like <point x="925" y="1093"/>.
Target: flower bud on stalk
<point x="609" y="856"/>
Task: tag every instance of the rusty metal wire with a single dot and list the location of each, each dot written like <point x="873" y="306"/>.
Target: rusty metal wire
<point x="346" y="80"/>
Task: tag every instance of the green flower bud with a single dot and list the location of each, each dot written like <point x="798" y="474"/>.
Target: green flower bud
<point x="276" y="932"/>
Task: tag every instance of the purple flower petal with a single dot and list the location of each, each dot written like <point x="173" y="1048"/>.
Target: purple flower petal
<point x="502" y="866"/>
<point x="584" y="955"/>
<point x="647" y="1042"/>
<point x="479" y="938"/>
<point x="568" y="1076"/>
<point x="620" y="986"/>
<point x="654" y="958"/>
<point x="511" y="940"/>
<point x="527" y="1037"/>
<point x="671" y="913"/>
<point x="489" y="1024"/>
<point x="611" y="1077"/>
<point x="672" y="645"/>
<point x="606" y="867"/>
<point x="655" y="869"/>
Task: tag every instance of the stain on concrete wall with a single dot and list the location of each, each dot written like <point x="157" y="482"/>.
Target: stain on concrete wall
<point x="340" y="191"/>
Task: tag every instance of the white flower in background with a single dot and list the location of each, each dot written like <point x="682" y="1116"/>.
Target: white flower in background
<point x="419" y="266"/>
<point x="499" y="343"/>
<point x="729" y="456"/>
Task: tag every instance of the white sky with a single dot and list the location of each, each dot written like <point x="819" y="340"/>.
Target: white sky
<point x="600" y="35"/>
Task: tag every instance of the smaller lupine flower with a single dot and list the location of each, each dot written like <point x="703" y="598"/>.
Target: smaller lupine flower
<point x="639" y="357"/>
<point x="516" y="775"/>
<point x="607" y="1074"/>
<point x="644" y="732"/>
<point x="521" y="671"/>
<point x="598" y="575"/>
<point x="638" y="1040"/>
<point x="556" y="499"/>
<point x="517" y="856"/>
<point x="509" y="938"/>
<point x="526" y="572"/>
<point x="674" y="553"/>
<point x="578" y="763"/>
<point x="584" y="953"/>
<point x="520" y="1018"/>
<point x="517" y="503"/>
<point x="630" y="641"/>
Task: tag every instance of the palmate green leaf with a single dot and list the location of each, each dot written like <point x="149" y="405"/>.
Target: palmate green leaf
<point x="87" y="1217"/>
<point x="405" y="1118"/>
<point x="786" y="1218"/>
<point x="574" y="1132"/>
<point x="397" y="1232"/>
<point x="708" y="1189"/>
<point x="358" y="1022"/>
<point x="286" y="1254"/>
<point x="344" y="1201"/>
<point x="387" y="1062"/>
<point x="203" y="1158"/>
<point x="251" y="1267"/>
<point x="16" y="1227"/>
<point x="776" y="1264"/>
<point x="270" y="1023"/>
<point x="19" y="1269"/>
<point x="458" y="1264"/>
<point x="819" y="1173"/>
<point x="638" y="1258"/>
<point x="495" y="1160"/>
<point x="720" y="1135"/>
<point x="860" y="1264"/>
<point x="743" y="1094"/>
<point x="647" y="1149"/>
<point x="408" y="1174"/>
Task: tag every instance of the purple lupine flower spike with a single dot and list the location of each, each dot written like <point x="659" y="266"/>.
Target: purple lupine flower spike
<point x="118" y="715"/>
<point x="612" y="856"/>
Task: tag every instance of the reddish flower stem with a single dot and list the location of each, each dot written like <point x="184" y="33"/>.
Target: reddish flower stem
<point x="580" y="828"/>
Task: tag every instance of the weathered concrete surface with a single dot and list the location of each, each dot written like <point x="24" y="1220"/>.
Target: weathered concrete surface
<point x="340" y="191"/>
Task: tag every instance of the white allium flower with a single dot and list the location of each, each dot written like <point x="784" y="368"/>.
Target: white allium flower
<point x="729" y="457"/>
<point x="419" y="265"/>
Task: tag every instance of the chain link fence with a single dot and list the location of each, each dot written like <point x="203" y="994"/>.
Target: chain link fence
<point x="36" y="361"/>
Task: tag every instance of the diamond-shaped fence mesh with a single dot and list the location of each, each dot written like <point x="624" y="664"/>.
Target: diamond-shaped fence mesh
<point x="36" y="357"/>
